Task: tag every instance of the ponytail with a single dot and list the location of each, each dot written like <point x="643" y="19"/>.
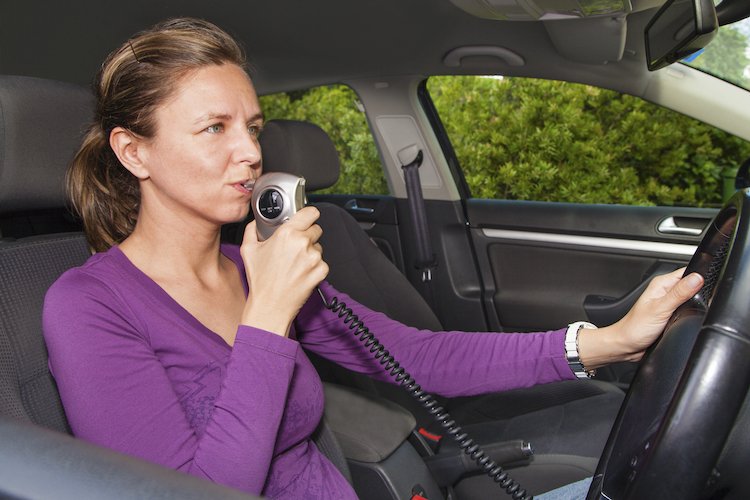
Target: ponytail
<point x="132" y="83"/>
<point x="104" y="194"/>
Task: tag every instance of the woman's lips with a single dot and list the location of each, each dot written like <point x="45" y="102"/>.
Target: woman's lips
<point x="244" y="187"/>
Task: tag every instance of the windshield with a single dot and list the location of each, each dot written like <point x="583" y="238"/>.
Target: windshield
<point x="728" y="55"/>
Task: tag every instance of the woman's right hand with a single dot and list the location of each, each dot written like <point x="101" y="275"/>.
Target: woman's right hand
<point x="282" y="271"/>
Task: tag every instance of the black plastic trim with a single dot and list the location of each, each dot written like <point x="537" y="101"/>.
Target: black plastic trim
<point x="616" y="221"/>
<point x="39" y="463"/>
<point x="731" y="11"/>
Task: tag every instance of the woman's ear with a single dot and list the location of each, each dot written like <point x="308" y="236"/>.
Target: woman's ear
<point x="128" y="148"/>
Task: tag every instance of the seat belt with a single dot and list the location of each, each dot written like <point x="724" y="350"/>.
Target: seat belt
<point x="425" y="260"/>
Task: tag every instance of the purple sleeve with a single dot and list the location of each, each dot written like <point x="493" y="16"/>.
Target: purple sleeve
<point x="117" y="394"/>
<point x="447" y="363"/>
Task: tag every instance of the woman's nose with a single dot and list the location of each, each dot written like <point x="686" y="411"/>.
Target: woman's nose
<point x="248" y="149"/>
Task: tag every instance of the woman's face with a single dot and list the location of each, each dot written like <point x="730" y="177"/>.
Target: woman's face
<point x="205" y="147"/>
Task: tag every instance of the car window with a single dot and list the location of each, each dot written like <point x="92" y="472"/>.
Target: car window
<point x="531" y="139"/>
<point x="728" y="54"/>
<point x="336" y="109"/>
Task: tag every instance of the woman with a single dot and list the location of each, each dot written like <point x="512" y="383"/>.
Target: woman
<point x="172" y="347"/>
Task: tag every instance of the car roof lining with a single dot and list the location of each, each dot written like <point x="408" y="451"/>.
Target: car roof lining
<point x="312" y="45"/>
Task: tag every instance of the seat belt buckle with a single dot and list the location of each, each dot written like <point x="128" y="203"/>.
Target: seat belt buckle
<point x="435" y="438"/>
<point x="418" y="493"/>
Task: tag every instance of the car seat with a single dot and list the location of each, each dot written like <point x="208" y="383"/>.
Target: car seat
<point x="36" y="144"/>
<point x="566" y="422"/>
<point x="41" y="123"/>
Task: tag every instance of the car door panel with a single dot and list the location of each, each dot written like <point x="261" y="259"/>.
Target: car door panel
<point x="530" y="266"/>
<point x="544" y="265"/>
<point x="542" y="288"/>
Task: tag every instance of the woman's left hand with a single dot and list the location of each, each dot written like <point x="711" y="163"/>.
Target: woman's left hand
<point x="628" y="339"/>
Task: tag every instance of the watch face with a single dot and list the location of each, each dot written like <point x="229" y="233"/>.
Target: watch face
<point x="270" y="203"/>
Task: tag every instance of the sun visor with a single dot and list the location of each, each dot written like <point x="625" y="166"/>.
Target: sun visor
<point x="593" y="41"/>
<point x="587" y="31"/>
<point x="533" y="10"/>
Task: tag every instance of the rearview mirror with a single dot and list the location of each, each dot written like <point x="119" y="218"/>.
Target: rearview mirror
<point x="678" y="29"/>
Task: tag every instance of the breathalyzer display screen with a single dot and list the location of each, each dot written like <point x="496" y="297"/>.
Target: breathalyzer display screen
<point x="270" y="204"/>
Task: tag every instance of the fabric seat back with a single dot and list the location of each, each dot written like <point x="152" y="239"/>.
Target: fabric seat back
<point x="27" y="268"/>
<point x="357" y="266"/>
<point x="41" y="123"/>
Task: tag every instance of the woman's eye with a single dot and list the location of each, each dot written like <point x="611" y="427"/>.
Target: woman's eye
<point x="254" y="130"/>
<point x="215" y="129"/>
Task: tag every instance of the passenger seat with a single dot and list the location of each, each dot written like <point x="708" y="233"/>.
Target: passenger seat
<point x="567" y="422"/>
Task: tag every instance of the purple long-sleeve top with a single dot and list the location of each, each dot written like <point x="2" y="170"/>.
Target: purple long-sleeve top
<point x="139" y="374"/>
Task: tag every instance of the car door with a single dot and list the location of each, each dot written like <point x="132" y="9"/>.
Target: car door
<point x="547" y="264"/>
<point x="553" y="247"/>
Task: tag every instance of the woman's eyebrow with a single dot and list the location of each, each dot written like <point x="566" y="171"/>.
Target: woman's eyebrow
<point x="257" y="117"/>
<point x="226" y="116"/>
<point x="213" y="116"/>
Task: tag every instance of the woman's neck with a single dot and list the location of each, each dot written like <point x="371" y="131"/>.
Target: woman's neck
<point x="174" y="250"/>
<point x="188" y="265"/>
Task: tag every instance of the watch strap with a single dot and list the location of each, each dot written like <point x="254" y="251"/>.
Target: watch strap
<point x="571" y="349"/>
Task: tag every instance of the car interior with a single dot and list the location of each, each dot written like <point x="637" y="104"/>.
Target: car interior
<point x="498" y="265"/>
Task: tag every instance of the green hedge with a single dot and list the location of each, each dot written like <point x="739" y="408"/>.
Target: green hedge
<point x="528" y="139"/>
<point x="335" y="110"/>
<point x="545" y="140"/>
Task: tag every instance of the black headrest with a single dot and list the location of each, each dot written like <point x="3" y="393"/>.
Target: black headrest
<point x="41" y="126"/>
<point x="300" y="148"/>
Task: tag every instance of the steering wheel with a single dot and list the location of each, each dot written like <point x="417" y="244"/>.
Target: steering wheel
<point x="692" y="382"/>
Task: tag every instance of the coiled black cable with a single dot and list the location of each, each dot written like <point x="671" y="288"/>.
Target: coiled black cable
<point x="467" y="445"/>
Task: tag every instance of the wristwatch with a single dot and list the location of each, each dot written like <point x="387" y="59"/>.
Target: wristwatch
<point x="571" y="349"/>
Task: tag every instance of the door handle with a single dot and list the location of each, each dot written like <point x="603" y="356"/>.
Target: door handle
<point x="352" y="206"/>
<point x="670" y="226"/>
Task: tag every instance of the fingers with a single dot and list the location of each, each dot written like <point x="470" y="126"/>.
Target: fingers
<point x="304" y="218"/>
<point x="299" y="236"/>
<point x="303" y="221"/>
<point x="664" y="283"/>
<point x="282" y="271"/>
<point x="686" y="288"/>
<point x="646" y="319"/>
<point x="676" y="275"/>
<point x="671" y="290"/>
<point x="320" y="270"/>
<point x="314" y="233"/>
<point x="251" y="233"/>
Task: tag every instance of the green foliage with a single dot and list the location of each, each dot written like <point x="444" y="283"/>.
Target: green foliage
<point x="726" y="57"/>
<point x="527" y="139"/>
<point x="334" y="109"/>
<point x="545" y="140"/>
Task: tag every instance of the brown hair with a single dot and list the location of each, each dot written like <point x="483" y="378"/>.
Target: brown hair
<point x="133" y="81"/>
